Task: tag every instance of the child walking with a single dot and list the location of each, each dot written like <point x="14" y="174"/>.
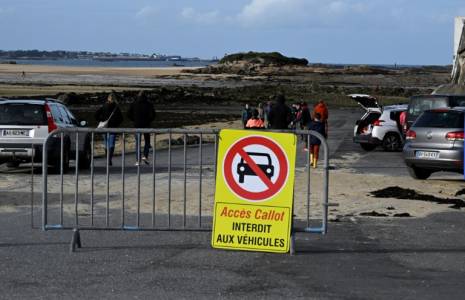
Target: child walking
<point x="316" y="125"/>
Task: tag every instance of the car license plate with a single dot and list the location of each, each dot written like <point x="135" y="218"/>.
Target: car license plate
<point x="426" y="154"/>
<point x="15" y="132"/>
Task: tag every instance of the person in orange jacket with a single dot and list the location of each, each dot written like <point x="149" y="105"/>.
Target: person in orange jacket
<point x="321" y="109"/>
<point x="255" y="121"/>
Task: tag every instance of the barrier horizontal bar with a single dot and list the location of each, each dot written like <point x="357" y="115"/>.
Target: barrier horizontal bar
<point x="310" y="229"/>
<point x="171" y="130"/>
<point x="127" y="228"/>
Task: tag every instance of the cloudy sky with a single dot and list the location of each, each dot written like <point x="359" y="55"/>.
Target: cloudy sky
<point x="331" y="31"/>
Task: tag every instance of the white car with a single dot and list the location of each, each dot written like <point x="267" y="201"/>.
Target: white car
<point x="24" y="126"/>
<point x="379" y="126"/>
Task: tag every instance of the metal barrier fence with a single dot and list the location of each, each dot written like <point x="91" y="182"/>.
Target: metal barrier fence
<point x="171" y="191"/>
<point x="21" y="153"/>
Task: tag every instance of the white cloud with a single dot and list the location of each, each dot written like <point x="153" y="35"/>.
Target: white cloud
<point x="261" y="11"/>
<point x="299" y="12"/>
<point x="147" y="12"/>
<point x="205" y="18"/>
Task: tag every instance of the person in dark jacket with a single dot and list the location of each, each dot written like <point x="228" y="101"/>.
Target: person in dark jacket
<point x="280" y="114"/>
<point x="110" y="112"/>
<point x="316" y="125"/>
<point x="246" y="115"/>
<point x="141" y="112"/>
<point x="304" y="117"/>
<point x="267" y="111"/>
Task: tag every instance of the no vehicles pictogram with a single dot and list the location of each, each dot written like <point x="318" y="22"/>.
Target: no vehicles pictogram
<point x="255" y="168"/>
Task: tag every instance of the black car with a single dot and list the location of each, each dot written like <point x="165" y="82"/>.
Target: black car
<point x="244" y="169"/>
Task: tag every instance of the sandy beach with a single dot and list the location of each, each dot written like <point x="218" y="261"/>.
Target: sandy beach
<point x="70" y="70"/>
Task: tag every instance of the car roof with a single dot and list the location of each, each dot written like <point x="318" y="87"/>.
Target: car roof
<point x="445" y="109"/>
<point x="432" y="96"/>
<point x="396" y="107"/>
<point x="426" y="96"/>
<point x="29" y="101"/>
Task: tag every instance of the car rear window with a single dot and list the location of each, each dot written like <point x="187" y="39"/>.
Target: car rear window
<point x="440" y="119"/>
<point x="456" y="101"/>
<point x="22" y="114"/>
<point x="419" y="105"/>
<point x="373" y="116"/>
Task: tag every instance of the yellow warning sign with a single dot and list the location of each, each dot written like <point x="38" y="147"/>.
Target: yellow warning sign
<point x="254" y="191"/>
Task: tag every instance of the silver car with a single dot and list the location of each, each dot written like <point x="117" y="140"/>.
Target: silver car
<point x="435" y="143"/>
<point x="24" y="126"/>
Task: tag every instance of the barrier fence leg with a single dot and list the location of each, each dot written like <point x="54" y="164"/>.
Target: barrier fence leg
<point x="75" y="241"/>
<point x="292" y="246"/>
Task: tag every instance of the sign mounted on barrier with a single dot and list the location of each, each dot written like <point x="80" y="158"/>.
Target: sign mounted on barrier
<point x="254" y="191"/>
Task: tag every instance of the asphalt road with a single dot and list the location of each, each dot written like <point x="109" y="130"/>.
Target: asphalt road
<point x="367" y="259"/>
<point x="360" y="258"/>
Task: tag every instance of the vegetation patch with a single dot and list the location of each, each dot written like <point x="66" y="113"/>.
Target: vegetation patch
<point x="264" y="58"/>
<point x="409" y="194"/>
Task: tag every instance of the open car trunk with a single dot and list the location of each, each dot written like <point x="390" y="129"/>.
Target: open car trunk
<point x="366" y="101"/>
<point x="373" y="112"/>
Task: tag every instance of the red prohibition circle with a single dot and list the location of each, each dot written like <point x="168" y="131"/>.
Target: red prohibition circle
<point x="236" y="149"/>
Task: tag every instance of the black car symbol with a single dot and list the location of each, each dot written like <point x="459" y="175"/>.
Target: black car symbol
<point x="244" y="169"/>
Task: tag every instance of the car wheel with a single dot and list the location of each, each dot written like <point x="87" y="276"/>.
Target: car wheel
<point x="57" y="163"/>
<point x="85" y="157"/>
<point x="419" y="173"/>
<point x="368" y="147"/>
<point x="391" y="142"/>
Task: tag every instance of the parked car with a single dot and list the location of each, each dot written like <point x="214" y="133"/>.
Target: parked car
<point x="27" y="122"/>
<point x="435" y="142"/>
<point x="379" y="126"/>
<point x="421" y="103"/>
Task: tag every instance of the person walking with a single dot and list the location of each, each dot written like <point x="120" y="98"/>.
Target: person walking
<point x="267" y="111"/>
<point x="280" y="114"/>
<point x="255" y="122"/>
<point x="316" y="125"/>
<point x="304" y="117"/>
<point x="142" y="114"/>
<point x="322" y="109"/>
<point x="403" y="123"/>
<point x="246" y="115"/>
<point x="109" y="115"/>
<point x="261" y="112"/>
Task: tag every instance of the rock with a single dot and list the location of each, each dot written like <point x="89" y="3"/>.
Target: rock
<point x="190" y="140"/>
<point x="402" y="215"/>
<point x="193" y="139"/>
<point x="373" y="214"/>
<point x="461" y="192"/>
<point x="409" y="194"/>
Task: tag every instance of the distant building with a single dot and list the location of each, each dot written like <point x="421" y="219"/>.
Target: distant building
<point x="458" y="67"/>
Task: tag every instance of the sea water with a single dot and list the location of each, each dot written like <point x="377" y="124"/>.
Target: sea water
<point x="117" y="63"/>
